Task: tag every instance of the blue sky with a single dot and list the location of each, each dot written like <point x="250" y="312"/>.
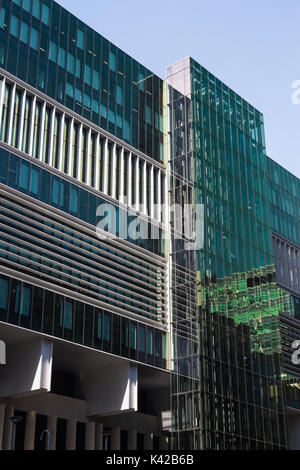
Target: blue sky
<point x="253" y="47"/>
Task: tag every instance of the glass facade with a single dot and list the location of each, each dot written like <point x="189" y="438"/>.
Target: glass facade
<point x="43" y="310"/>
<point x="47" y="47"/>
<point x="46" y="132"/>
<point x="82" y="124"/>
<point x="227" y="388"/>
<point x="65" y="195"/>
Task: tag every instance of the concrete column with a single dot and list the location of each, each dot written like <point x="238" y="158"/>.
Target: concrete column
<point x="132" y="440"/>
<point x="2" y="419"/>
<point x="90" y="429"/>
<point x="148" y="441"/>
<point x="30" y="430"/>
<point x="7" y="434"/>
<point x="99" y="436"/>
<point x="71" y="434"/>
<point x="51" y="426"/>
<point x="116" y="438"/>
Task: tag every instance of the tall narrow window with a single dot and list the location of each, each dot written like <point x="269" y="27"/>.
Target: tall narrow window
<point x="71" y="63"/>
<point x="149" y="341"/>
<point x="106" y="327"/>
<point x="3" y="293"/>
<point x="14" y="26"/>
<point x="24" y="36"/>
<point x="80" y="39"/>
<point x="46" y="15"/>
<point x="34" y="39"/>
<point x="25" y="303"/>
<point x="36" y="9"/>
<point x="34" y="181"/>
<point x="24" y="175"/>
<point x="68" y="317"/>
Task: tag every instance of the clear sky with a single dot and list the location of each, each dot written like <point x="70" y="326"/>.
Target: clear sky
<point x="252" y="46"/>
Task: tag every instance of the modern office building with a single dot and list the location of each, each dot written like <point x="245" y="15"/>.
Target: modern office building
<point x="149" y="272"/>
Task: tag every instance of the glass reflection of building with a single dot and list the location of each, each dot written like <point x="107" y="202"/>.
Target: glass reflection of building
<point x="147" y="321"/>
<point x="229" y="382"/>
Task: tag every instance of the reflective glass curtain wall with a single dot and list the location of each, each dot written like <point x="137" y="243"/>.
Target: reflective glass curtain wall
<point x="230" y="395"/>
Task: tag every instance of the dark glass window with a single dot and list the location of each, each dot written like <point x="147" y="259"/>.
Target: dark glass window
<point x="25" y="301"/>
<point x="4" y="284"/>
<point x="106" y="327"/>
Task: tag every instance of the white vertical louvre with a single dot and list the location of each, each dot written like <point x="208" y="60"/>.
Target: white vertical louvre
<point x="105" y="169"/>
<point x="2" y="93"/>
<point x="158" y="197"/>
<point x="113" y="170"/>
<point x="137" y="182"/>
<point x="88" y="166"/>
<point x="129" y="180"/>
<point x="22" y="119"/>
<point x="145" y="187"/>
<point x="70" y="147"/>
<point x="79" y="155"/>
<point x="32" y="116"/>
<point x="51" y="139"/>
<point x="122" y="175"/>
<point x="97" y="161"/>
<point x="152" y="192"/>
<point x="60" y="142"/>
<point x="41" y="141"/>
<point x="11" y="114"/>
